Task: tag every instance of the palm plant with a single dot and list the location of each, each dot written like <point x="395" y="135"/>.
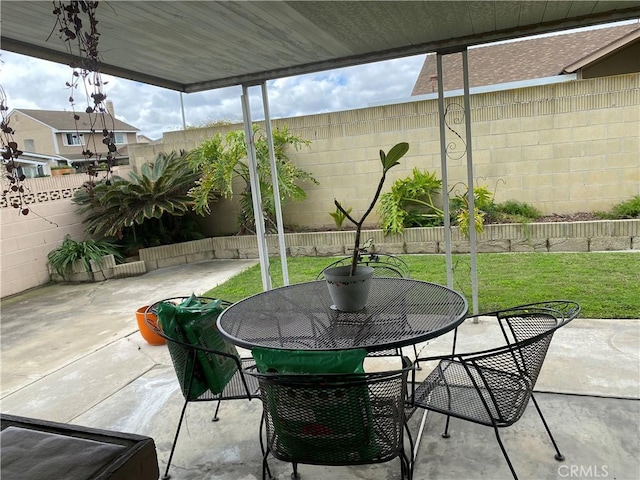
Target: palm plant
<point x="156" y="195"/>
<point x="221" y="161"/>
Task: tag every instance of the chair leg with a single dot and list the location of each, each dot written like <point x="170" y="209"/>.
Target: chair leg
<point x="504" y="453"/>
<point x="445" y="434"/>
<point x="558" y="455"/>
<point x="166" y="475"/>
<point x="265" y="466"/>
<point x="406" y="463"/>
<point x="295" y="475"/>
<point x="215" y="415"/>
<point x="415" y="352"/>
<point x="264" y="451"/>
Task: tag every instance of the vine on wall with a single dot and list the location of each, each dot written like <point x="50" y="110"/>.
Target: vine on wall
<point x="76" y="23"/>
<point x="12" y="178"/>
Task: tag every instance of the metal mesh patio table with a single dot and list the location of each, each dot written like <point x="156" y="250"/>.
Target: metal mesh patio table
<point x="399" y="312"/>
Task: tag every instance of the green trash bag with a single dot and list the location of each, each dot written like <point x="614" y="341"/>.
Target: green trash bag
<point x="194" y="323"/>
<point x="274" y="360"/>
<point x="310" y="426"/>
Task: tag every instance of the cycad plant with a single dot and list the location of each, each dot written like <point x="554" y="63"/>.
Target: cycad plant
<point x="153" y="198"/>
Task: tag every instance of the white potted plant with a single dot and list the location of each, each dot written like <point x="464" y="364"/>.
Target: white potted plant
<point x="349" y="285"/>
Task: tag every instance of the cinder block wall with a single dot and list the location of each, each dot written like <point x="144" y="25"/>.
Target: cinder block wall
<point x="565" y="147"/>
<point x="25" y="240"/>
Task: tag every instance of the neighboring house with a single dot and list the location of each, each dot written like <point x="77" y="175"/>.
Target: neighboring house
<point x="53" y="133"/>
<point x="579" y="55"/>
<point x="33" y="165"/>
<point x="145" y="139"/>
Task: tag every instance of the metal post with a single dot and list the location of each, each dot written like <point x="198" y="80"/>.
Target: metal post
<point x="470" y="183"/>
<point x="445" y="183"/>
<point x="263" y="252"/>
<point x="276" y="186"/>
<point x="184" y="121"/>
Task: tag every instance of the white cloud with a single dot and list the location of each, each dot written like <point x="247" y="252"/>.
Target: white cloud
<point x="39" y="84"/>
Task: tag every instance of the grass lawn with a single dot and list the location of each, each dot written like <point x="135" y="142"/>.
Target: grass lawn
<point x="606" y="284"/>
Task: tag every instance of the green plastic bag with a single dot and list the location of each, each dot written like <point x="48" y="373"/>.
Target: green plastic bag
<point x="274" y="360"/>
<point x="309" y="426"/>
<point x="194" y="323"/>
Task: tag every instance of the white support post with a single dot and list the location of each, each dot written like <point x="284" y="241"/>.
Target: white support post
<point x="445" y="182"/>
<point x="263" y="252"/>
<point x="470" y="183"/>
<point x="276" y="186"/>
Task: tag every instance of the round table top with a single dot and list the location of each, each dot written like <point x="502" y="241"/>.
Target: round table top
<point x="399" y="312"/>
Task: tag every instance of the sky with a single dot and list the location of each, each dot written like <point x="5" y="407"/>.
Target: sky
<point x="31" y="83"/>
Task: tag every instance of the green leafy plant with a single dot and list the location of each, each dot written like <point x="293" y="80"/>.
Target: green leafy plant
<point x="62" y="258"/>
<point x="627" y="209"/>
<point x="459" y="206"/>
<point x="388" y="160"/>
<point x="339" y="217"/>
<point x="221" y="160"/>
<point x="410" y="203"/>
<point x="146" y="208"/>
<point x="518" y="210"/>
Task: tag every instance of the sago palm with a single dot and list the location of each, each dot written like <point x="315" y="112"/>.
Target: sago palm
<point x="158" y="191"/>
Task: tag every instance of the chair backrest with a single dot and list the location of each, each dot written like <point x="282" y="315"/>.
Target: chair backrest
<point x="334" y="419"/>
<point x="384" y="265"/>
<point x="202" y="370"/>
<point x="507" y="375"/>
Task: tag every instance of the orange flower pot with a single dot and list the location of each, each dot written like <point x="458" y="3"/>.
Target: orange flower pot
<point x="147" y="333"/>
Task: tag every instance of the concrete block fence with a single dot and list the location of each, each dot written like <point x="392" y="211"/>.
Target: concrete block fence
<point x="604" y="235"/>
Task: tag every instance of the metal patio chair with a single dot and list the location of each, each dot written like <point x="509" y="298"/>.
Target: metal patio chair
<point x="493" y="387"/>
<point x="335" y="419"/>
<point x="384" y="265"/>
<point x="186" y="356"/>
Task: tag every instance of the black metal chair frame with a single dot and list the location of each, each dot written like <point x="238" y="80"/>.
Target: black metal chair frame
<point x="296" y="391"/>
<point x="493" y="387"/>
<point x="239" y="387"/>
<point x="384" y="265"/>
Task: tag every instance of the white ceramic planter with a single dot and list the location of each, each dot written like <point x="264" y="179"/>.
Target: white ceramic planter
<point x="349" y="293"/>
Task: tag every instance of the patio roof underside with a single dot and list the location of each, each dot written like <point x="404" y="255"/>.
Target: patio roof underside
<point x="195" y="46"/>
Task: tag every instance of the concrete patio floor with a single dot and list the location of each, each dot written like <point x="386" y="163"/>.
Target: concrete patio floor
<point x="72" y="353"/>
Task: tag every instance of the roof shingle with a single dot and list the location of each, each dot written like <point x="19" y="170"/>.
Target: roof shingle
<point x="63" y="121"/>
<point x="515" y="61"/>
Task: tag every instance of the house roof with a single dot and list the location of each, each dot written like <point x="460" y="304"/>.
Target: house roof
<point x="607" y="50"/>
<point x="63" y="120"/>
<point x="195" y="46"/>
<point x="526" y="59"/>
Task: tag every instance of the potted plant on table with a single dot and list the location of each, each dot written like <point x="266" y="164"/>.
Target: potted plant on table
<point x="349" y="285"/>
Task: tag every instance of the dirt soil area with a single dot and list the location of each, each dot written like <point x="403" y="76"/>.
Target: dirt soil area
<point x="569" y="217"/>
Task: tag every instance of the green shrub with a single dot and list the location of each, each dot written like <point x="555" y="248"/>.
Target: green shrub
<point x="410" y="203"/>
<point x="517" y="211"/>
<point x="62" y="258"/>
<point x="339" y="217"/>
<point x="627" y="209"/>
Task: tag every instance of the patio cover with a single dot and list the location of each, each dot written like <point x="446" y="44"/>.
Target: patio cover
<point x="191" y="46"/>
